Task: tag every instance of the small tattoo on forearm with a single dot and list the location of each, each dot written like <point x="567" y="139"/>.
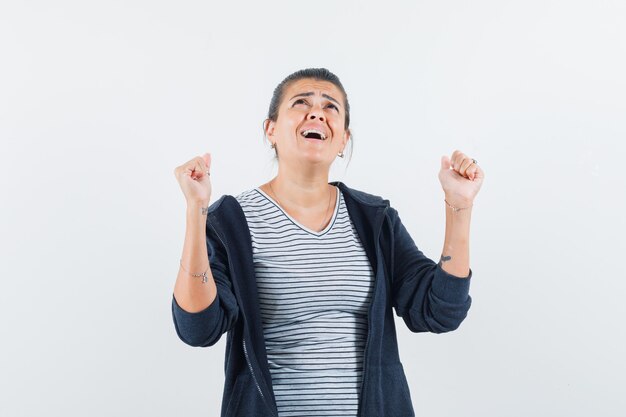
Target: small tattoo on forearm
<point x="444" y="259"/>
<point x="205" y="210"/>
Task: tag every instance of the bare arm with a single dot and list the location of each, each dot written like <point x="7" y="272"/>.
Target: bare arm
<point x="461" y="179"/>
<point x="455" y="254"/>
<point x="191" y="294"/>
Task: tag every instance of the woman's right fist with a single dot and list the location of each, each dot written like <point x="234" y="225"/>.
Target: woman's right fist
<point x="193" y="177"/>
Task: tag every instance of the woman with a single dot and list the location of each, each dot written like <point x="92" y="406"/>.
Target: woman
<point x="303" y="273"/>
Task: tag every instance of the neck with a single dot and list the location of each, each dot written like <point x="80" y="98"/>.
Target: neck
<point x="307" y="190"/>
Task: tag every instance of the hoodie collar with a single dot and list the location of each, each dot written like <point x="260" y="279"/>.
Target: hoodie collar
<point x="361" y="196"/>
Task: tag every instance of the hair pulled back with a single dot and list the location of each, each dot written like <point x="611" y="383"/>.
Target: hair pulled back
<point x="319" y="74"/>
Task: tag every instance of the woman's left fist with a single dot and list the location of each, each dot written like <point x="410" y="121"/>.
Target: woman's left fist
<point x="461" y="179"/>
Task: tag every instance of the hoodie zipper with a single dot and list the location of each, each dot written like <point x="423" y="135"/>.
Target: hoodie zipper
<point x="245" y="350"/>
<point x="360" y="411"/>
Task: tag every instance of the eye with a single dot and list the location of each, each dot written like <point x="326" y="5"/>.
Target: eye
<point x="299" y="101"/>
<point x="333" y="106"/>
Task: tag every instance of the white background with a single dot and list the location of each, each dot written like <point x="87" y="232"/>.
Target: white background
<point x="100" y="101"/>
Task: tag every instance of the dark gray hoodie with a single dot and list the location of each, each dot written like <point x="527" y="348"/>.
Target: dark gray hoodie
<point x="421" y="292"/>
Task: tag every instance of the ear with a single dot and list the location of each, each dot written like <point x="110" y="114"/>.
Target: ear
<point x="347" y="135"/>
<point x="269" y="127"/>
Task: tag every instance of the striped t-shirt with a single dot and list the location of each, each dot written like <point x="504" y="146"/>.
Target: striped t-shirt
<point x="314" y="293"/>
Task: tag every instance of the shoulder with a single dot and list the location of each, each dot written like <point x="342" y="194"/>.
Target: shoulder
<point x="228" y="202"/>
<point x="361" y="196"/>
<point x="247" y="197"/>
<point x="226" y="220"/>
<point x="226" y="206"/>
<point x="369" y="201"/>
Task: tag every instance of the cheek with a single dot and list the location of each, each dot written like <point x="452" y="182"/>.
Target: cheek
<point x="286" y="127"/>
<point x="337" y="126"/>
<point x="291" y="120"/>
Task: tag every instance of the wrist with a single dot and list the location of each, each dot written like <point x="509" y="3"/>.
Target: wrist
<point x="457" y="200"/>
<point x="198" y="206"/>
<point x="456" y="205"/>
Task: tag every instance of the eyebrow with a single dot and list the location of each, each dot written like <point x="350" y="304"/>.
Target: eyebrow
<point x="310" y="93"/>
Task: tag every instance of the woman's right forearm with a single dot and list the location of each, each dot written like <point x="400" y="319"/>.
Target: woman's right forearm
<point x="191" y="293"/>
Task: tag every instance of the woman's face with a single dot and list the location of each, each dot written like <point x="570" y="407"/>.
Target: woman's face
<point x="310" y="123"/>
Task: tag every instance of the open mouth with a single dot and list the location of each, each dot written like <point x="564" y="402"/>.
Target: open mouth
<point x="313" y="134"/>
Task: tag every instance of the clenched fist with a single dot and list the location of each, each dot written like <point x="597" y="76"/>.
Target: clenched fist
<point x="193" y="177"/>
<point x="461" y="179"/>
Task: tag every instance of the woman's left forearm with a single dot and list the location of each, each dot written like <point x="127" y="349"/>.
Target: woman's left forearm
<point x="460" y="178"/>
<point x="455" y="255"/>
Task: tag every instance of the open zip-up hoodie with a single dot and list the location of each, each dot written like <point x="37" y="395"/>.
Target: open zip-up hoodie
<point x="426" y="297"/>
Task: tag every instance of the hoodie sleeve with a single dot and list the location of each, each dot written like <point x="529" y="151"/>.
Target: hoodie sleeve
<point x="204" y="328"/>
<point x="427" y="298"/>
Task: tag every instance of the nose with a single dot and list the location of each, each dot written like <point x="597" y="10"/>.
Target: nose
<point x="316" y="112"/>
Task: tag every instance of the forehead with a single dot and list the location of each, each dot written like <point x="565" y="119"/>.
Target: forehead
<point x="318" y="87"/>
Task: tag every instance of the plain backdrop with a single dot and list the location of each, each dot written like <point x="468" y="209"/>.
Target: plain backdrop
<point x="101" y="100"/>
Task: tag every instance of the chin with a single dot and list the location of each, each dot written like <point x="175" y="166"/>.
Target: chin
<point x="314" y="159"/>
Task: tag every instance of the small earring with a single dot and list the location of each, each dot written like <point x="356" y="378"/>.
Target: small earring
<point x="340" y="154"/>
<point x="273" y="146"/>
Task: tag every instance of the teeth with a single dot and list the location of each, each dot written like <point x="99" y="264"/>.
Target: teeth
<point x="306" y="132"/>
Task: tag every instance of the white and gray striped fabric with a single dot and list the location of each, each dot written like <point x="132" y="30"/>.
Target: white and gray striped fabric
<point x="314" y="292"/>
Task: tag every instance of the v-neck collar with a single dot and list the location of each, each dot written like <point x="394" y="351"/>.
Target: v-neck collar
<point x="297" y="223"/>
